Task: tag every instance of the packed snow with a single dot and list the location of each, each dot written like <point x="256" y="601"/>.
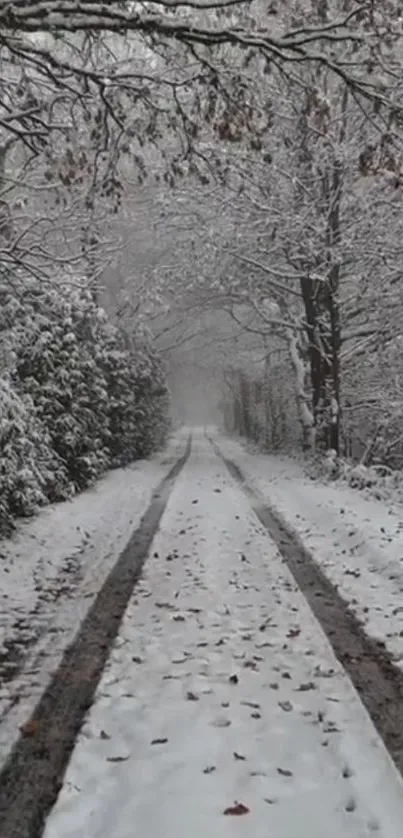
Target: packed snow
<point x="356" y="540"/>
<point x="51" y="570"/>
<point x="222" y="709"/>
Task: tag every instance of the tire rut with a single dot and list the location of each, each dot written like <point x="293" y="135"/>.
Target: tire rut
<point x="33" y="773"/>
<point x="370" y="667"/>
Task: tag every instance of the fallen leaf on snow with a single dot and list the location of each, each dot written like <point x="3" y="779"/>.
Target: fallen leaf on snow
<point x="104" y="735"/>
<point x="233" y="679"/>
<point x="254" y="704"/>
<point x="117" y="759"/>
<point x="178" y="618"/>
<point x="209" y="769"/>
<point x="192" y="696"/>
<point x="237" y="809"/>
<point x="255" y="715"/>
<point x="250" y="664"/>
<point x="270" y="800"/>
<point x="161" y="741"/>
<point x="284" y="772"/>
<point x="30" y="728"/>
<point x="239" y="756"/>
<point x="137" y="659"/>
<point x="286" y="706"/>
<point x="221" y="722"/>
<point x="294" y="632"/>
<point x="303" y="688"/>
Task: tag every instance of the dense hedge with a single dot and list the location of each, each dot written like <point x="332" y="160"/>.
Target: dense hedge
<point x="76" y="396"/>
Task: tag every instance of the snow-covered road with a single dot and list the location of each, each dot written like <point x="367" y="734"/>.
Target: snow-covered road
<point x="222" y="710"/>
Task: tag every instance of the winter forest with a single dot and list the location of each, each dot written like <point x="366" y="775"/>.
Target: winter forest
<point x="201" y="218"/>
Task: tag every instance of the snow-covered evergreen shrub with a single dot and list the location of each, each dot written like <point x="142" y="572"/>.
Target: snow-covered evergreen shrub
<point x="31" y="474"/>
<point x="55" y="365"/>
<point x="138" y="399"/>
<point x="88" y="399"/>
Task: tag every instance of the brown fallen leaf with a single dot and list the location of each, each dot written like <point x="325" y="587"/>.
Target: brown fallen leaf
<point x="30" y="728"/>
<point x="237" y="809"/>
<point x="239" y="756"/>
<point x="161" y="741"/>
<point x="209" y="769"/>
<point x="303" y="688"/>
<point x="192" y="696"/>
<point x="117" y="759"/>
<point x="284" y="772"/>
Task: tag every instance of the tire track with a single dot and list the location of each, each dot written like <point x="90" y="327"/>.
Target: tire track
<point x="33" y="774"/>
<point x="370" y="667"/>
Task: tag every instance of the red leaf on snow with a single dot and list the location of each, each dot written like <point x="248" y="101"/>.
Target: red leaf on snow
<point x="237" y="809"/>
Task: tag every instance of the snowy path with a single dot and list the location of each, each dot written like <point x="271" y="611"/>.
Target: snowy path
<point x="223" y="689"/>
<point x="357" y="541"/>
